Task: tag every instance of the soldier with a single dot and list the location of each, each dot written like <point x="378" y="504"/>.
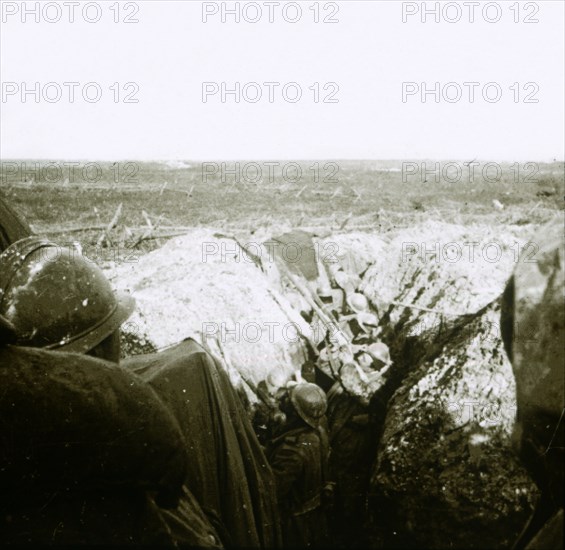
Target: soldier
<point x="77" y="483"/>
<point x="374" y="356"/>
<point x="55" y="299"/>
<point x="533" y="330"/>
<point x="58" y="300"/>
<point x="362" y="321"/>
<point x="353" y="439"/>
<point x="299" y="459"/>
<point x="267" y="416"/>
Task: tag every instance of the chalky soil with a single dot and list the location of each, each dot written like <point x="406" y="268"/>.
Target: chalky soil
<point x="444" y="471"/>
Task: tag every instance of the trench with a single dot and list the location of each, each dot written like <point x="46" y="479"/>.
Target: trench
<point x="385" y="524"/>
<point x="422" y="487"/>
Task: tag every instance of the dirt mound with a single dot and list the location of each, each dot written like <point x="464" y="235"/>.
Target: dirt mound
<point x="354" y="252"/>
<point x="445" y="467"/>
<point x="441" y="271"/>
<point x="445" y="464"/>
<point x="201" y="284"/>
<point x="446" y="267"/>
<point x="204" y="287"/>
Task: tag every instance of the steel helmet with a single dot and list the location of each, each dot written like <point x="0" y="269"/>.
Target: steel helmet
<point x="276" y="379"/>
<point x="380" y="351"/>
<point x="367" y="318"/>
<point x="358" y="302"/>
<point x="346" y="281"/>
<point x="57" y="299"/>
<point x="309" y="402"/>
<point x="365" y="360"/>
<point x="324" y="290"/>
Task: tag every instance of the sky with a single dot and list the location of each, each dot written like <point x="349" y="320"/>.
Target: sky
<point x="151" y="88"/>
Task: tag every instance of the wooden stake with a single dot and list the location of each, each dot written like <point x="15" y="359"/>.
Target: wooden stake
<point x="344" y="223"/>
<point x="106" y="233"/>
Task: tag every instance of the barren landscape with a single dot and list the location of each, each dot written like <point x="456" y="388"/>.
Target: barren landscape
<point x="433" y="258"/>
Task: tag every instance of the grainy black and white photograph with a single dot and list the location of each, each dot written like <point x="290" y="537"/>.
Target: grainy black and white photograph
<point x="282" y="274"/>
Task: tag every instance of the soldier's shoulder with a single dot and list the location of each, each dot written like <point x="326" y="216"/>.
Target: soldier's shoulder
<point x="304" y="436"/>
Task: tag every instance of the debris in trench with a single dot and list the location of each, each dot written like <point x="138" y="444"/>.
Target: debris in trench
<point x="430" y="312"/>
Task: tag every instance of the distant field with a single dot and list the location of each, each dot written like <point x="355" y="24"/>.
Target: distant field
<point x="333" y="195"/>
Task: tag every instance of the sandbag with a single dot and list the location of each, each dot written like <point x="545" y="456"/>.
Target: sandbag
<point x="70" y="420"/>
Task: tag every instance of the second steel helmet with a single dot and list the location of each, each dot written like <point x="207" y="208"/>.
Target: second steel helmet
<point x="358" y="302"/>
<point x="324" y="290"/>
<point x="309" y="401"/>
<point x="57" y="299"/>
<point x="380" y="351"/>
